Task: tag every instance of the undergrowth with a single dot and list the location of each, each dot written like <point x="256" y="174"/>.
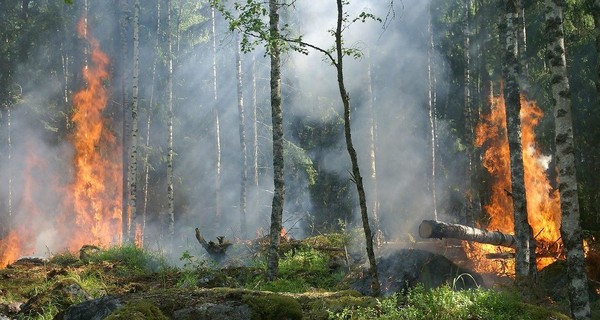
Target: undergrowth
<point x="443" y="303"/>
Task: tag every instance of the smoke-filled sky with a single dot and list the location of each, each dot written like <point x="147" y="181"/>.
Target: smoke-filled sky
<point x="397" y="53"/>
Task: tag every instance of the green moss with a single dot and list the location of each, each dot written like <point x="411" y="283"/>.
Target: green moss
<point x="272" y="306"/>
<point x="138" y="310"/>
<point x="65" y="259"/>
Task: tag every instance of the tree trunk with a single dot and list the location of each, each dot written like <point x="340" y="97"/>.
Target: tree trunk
<point x="125" y="213"/>
<point x="570" y="228"/>
<point x="255" y="181"/>
<point x="522" y="46"/>
<point x="170" y="116"/>
<point x="379" y="236"/>
<point x="148" y="125"/>
<point x="469" y="115"/>
<point x="432" y="114"/>
<point x="133" y="139"/>
<point x="595" y="10"/>
<point x="216" y="121"/>
<point x="243" y="145"/>
<point x="437" y="229"/>
<point x="278" y="160"/>
<point x="364" y="212"/>
<point x="525" y="267"/>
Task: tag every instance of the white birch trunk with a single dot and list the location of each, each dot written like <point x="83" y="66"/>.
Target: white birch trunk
<point x="570" y="228"/>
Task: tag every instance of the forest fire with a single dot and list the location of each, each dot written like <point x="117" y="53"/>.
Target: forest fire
<point x="543" y="203"/>
<point x="95" y="194"/>
<point x="89" y="207"/>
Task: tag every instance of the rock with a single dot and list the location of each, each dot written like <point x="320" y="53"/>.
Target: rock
<point x="96" y="309"/>
<point x="212" y="311"/>
<point x="86" y="251"/>
<point x="405" y="268"/>
<point x="14" y="307"/>
<point x="61" y="295"/>
<point x="31" y="261"/>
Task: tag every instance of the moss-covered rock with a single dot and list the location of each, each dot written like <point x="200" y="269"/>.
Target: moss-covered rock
<point x="138" y="310"/>
<point x="273" y="307"/>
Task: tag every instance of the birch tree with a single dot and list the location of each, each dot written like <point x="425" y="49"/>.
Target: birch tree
<point x="170" y="116"/>
<point x="570" y="228"/>
<point x="133" y="138"/>
<point x="243" y="144"/>
<point x="525" y="266"/>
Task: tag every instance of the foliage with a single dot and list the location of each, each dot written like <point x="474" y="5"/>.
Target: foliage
<point x="443" y="303"/>
<point x="132" y="259"/>
<point x="299" y="271"/>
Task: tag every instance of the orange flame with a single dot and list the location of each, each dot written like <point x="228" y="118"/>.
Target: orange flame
<point x="10" y="248"/>
<point x="21" y="239"/>
<point x="543" y="204"/>
<point x="91" y="204"/>
<point x="96" y="190"/>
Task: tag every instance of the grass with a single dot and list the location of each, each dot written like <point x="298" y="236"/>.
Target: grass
<point x="443" y="303"/>
<point x="304" y="274"/>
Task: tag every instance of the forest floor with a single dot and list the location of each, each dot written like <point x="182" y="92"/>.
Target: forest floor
<point x="318" y="280"/>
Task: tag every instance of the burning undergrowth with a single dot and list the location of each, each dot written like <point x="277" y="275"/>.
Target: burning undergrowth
<point x="84" y="208"/>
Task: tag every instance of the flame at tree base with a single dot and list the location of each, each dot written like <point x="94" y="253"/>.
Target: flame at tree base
<point x="90" y="207"/>
<point x="543" y="202"/>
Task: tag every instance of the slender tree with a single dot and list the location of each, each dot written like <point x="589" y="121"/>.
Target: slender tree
<point x="170" y="116"/>
<point x="570" y="228"/>
<point x="149" y="123"/>
<point x="243" y="144"/>
<point x="432" y="113"/>
<point x="374" y="203"/>
<point x="123" y="26"/>
<point x="217" y="125"/>
<point x="277" y="123"/>
<point x="339" y="51"/>
<point x="525" y="266"/>
<point x="133" y="138"/>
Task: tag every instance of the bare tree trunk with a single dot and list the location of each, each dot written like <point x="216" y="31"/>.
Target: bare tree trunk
<point x="255" y="181"/>
<point x="243" y="145"/>
<point x="522" y="46"/>
<point x="570" y="228"/>
<point x="125" y="213"/>
<point x="375" y="286"/>
<point x="148" y="125"/>
<point x="216" y="122"/>
<point x="432" y="114"/>
<point x="170" y="116"/>
<point x="469" y="115"/>
<point x="525" y="265"/>
<point x="133" y="139"/>
<point x="10" y="166"/>
<point x="379" y="236"/>
<point x="278" y="160"/>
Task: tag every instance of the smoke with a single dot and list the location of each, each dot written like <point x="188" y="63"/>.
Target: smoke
<point x="396" y="54"/>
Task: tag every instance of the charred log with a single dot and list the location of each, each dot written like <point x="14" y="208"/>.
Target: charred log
<point x="216" y="250"/>
<point x="438" y="229"/>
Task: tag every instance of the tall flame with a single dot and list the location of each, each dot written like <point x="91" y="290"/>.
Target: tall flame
<point x="88" y="209"/>
<point x="543" y="203"/>
<point x="96" y="189"/>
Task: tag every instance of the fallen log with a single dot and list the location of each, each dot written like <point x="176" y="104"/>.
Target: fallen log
<point x="437" y="229"/>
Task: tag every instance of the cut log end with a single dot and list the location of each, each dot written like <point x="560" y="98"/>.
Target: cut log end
<point x="426" y="229"/>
